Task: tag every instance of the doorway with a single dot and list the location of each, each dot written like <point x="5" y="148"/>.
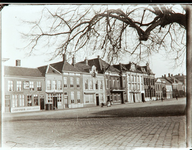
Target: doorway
<point x="42" y="103"/>
<point x="54" y="102"/>
<point x="142" y="97"/>
<point x="133" y="97"/>
<point x="97" y="99"/>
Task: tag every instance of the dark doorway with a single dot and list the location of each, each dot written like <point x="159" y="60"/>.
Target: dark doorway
<point x="133" y="97"/>
<point x="42" y="103"/>
<point x="97" y="100"/>
<point x="142" y="97"/>
<point x="54" y="102"/>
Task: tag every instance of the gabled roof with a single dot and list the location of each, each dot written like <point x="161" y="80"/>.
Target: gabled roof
<point x="22" y="71"/>
<point x="58" y="67"/>
<point x="100" y="65"/>
<point x="166" y="81"/>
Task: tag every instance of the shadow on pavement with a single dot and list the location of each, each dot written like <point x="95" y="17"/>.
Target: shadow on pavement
<point x="149" y="111"/>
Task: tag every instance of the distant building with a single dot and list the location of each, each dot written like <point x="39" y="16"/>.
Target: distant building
<point x="182" y="78"/>
<point x="93" y="81"/>
<point x="134" y="82"/>
<point x="149" y="82"/>
<point x="158" y="89"/>
<point x="167" y="87"/>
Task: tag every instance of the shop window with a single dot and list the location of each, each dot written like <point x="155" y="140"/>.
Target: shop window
<point x="29" y="100"/>
<point x="35" y="97"/>
<point x="18" y="85"/>
<point x="50" y="98"/>
<point x="65" y="81"/>
<point x="71" y="81"/>
<point x="78" y="82"/>
<point x="31" y="85"/>
<point x="39" y="86"/>
<point x="21" y="100"/>
<point x="72" y="97"/>
<point x="14" y="100"/>
<point x="59" y="99"/>
<point x="10" y="85"/>
<point x="78" y="97"/>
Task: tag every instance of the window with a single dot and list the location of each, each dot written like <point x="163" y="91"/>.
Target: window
<point x="132" y="78"/>
<point x="77" y="82"/>
<point x="39" y="86"/>
<point x="59" y="99"/>
<point x="130" y="86"/>
<point x="78" y="97"/>
<point x="29" y="100"/>
<point x="129" y="78"/>
<point x="72" y="97"/>
<point x="18" y="85"/>
<point x="48" y="84"/>
<point x="65" y="81"/>
<point x="54" y="83"/>
<point x="138" y="86"/>
<point x="124" y="83"/>
<point x="138" y="79"/>
<point x="141" y="79"/>
<point x="71" y="81"/>
<point x="31" y="85"/>
<point x="50" y="98"/>
<point x="101" y="84"/>
<point x="86" y="84"/>
<point x="10" y="85"/>
<point x="14" y="100"/>
<point x="90" y="84"/>
<point x="59" y="85"/>
<point x="35" y="97"/>
<point x="21" y="100"/>
<point x="96" y="84"/>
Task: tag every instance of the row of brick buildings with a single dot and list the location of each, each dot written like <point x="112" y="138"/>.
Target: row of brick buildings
<point x="90" y="82"/>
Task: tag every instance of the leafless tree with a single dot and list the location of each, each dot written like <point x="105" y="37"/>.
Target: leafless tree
<point x="125" y="29"/>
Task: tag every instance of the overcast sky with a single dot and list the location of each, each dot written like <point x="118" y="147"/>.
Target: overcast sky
<point x="12" y="43"/>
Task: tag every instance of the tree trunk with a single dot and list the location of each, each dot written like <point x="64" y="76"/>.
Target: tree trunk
<point x="189" y="85"/>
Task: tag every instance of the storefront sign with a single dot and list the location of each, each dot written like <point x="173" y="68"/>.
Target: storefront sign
<point x="24" y="109"/>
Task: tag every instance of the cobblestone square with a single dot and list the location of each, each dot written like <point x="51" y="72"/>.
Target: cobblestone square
<point x="57" y="130"/>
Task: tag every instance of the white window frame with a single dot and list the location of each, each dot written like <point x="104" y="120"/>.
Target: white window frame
<point x="10" y="85"/>
<point x="19" y="85"/>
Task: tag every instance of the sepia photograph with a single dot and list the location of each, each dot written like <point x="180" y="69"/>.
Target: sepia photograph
<point x="96" y="76"/>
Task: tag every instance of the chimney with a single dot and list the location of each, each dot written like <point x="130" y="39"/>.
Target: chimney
<point x="179" y="74"/>
<point x="169" y="74"/>
<point x="86" y="61"/>
<point x="98" y="56"/>
<point x="164" y="75"/>
<point x="182" y="74"/>
<point x="64" y="57"/>
<point x="18" y="62"/>
<point x="73" y="60"/>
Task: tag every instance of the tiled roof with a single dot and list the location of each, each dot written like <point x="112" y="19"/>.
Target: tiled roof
<point x="22" y="71"/>
<point x="167" y="81"/>
<point x="59" y="66"/>
<point x="98" y="63"/>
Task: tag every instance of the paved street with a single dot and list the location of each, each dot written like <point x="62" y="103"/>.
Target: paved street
<point x="128" y="126"/>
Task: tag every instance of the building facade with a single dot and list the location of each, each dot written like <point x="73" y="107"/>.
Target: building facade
<point x="24" y="89"/>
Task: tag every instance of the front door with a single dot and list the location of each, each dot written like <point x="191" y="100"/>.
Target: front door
<point x="54" y="102"/>
<point x="42" y="103"/>
<point x="97" y="100"/>
<point x="142" y="96"/>
<point x="134" y="97"/>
